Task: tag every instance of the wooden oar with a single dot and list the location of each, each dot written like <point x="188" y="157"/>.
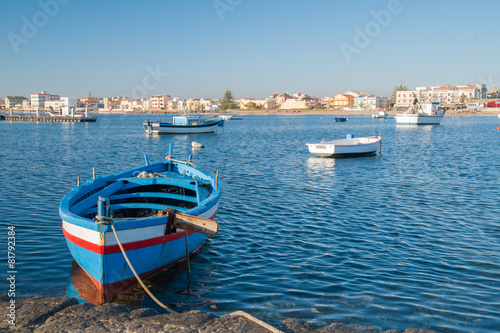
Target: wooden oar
<point x="192" y="223"/>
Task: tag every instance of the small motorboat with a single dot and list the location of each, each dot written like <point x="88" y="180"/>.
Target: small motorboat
<point x="421" y="114"/>
<point x="380" y="115"/>
<point x="340" y="119"/>
<point x="232" y="117"/>
<point x="185" y="124"/>
<point x="155" y="215"/>
<point x="348" y="147"/>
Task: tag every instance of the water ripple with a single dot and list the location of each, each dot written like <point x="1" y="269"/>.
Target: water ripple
<point x="407" y="238"/>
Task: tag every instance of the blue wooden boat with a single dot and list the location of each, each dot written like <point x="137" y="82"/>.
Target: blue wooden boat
<point x="185" y="124"/>
<point x="340" y="119"/>
<point x="157" y="211"/>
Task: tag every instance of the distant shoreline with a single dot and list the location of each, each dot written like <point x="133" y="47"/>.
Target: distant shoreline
<point x="449" y="113"/>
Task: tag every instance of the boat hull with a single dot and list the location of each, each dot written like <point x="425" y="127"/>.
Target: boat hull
<point x="346" y="147"/>
<point x="149" y="252"/>
<point x="150" y="242"/>
<point x="166" y="128"/>
<point x="418" y="119"/>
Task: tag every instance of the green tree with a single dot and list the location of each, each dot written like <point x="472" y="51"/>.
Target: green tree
<point x="399" y="87"/>
<point x="228" y="101"/>
<point x="464" y="100"/>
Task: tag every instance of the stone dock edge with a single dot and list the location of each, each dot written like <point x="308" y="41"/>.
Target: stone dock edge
<point x="64" y="314"/>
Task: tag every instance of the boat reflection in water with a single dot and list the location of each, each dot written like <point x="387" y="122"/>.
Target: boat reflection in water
<point x="174" y="287"/>
<point x="82" y="287"/>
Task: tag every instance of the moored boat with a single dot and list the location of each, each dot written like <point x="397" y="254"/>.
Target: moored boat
<point x="161" y="212"/>
<point x="232" y="117"/>
<point x="380" y="115"/>
<point x="185" y="124"/>
<point x="347" y="147"/>
<point x="340" y="119"/>
<point x="421" y="114"/>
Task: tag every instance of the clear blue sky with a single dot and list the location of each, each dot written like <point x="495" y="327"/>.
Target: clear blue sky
<point x="199" y="48"/>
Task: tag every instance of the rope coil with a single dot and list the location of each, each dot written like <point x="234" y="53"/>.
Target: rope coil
<point x="257" y="321"/>
<point x="170" y="158"/>
<point x="102" y="220"/>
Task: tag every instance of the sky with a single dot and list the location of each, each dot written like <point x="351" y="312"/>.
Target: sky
<point x="200" y="48"/>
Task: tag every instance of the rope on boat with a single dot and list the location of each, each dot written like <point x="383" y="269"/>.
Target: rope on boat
<point x="109" y="220"/>
<point x="135" y="273"/>
<point x="257" y="321"/>
<point x="170" y="158"/>
<point x="145" y="174"/>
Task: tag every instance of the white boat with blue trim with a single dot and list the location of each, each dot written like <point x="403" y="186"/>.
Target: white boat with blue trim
<point x="421" y="114"/>
<point x="380" y="115"/>
<point x="348" y="147"/>
<point x="161" y="213"/>
<point x="185" y="124"/>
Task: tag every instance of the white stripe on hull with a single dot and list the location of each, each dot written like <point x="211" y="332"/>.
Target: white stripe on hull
<point x="125" y="236"/>
<point x="416" y="119"/>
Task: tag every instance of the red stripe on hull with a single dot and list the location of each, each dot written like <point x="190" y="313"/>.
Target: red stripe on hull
<point x="101" y="249"/>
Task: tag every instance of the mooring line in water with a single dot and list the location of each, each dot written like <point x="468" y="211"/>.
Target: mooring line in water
<point x="256" y="320"/>
<point x="136" y="275"/>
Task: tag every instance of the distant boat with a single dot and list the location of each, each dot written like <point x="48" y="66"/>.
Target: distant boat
<point x="186" y="124"/>
<point x="161" y="213"/>
<point x="232" y="117"/>
<point x="421" y="114"/>
<point x="340" y="119"/>
<point x="381" y="115"/>
<point x="347" y="147"/>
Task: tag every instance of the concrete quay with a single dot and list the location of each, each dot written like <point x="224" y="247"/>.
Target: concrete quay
<point x="47" y="119"/>
<point x="65" y="314"/>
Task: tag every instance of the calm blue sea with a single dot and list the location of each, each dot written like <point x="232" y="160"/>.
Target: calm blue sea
<point x="407" y="238"/>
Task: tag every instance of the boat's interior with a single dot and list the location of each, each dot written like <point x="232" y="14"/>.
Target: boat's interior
<point x="135" y="197"/>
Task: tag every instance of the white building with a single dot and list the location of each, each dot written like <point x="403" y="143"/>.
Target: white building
<point x="444" y="95"/>
<point x="38" y="100"/>
<point x="59" y="103"/>
<point x="370" y="102"/>
<point x="159" y="102"/>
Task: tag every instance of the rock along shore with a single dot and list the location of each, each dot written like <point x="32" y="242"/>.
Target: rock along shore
<point x="65" y="314"/>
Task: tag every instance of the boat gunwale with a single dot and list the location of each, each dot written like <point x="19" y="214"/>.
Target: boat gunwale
<point x="189" y="171"/>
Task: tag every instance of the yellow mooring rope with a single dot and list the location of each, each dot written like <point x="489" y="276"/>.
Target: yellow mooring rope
<point x="136" y="275"/>
<point x="237" y="313"/>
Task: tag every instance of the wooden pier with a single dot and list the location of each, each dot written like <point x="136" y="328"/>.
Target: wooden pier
<point x="48" y="119"/>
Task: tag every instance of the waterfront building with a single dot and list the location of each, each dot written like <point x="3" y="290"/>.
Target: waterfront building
<point x="132" y="104"/>
<point x="369" y="102"/>
<point x="445" y="95"/>
<point x="279" y="98"/>
<point x="89" y="101"/>
<point x="15" y="102"/>
<point x="56" y="105"/>
<point x="38" y="99"/>
<point x="354" y="94"/>
<point x="342" y="100"/>
<point x="2" y="104"/>
<point x="252" y="103"/>
<point x="294" y="104"/>
<point x="159" y="102"/>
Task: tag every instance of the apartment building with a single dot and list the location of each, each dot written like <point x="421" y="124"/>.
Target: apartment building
<point x="445" y="95"/>
<point x="370" y="102"/>
<point x="38" y="99"/>
<point x="159" y="102"/>
<point x="14" y="101"/>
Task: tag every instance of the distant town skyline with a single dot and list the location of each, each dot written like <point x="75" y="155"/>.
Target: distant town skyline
<point x="255" y="48"/>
